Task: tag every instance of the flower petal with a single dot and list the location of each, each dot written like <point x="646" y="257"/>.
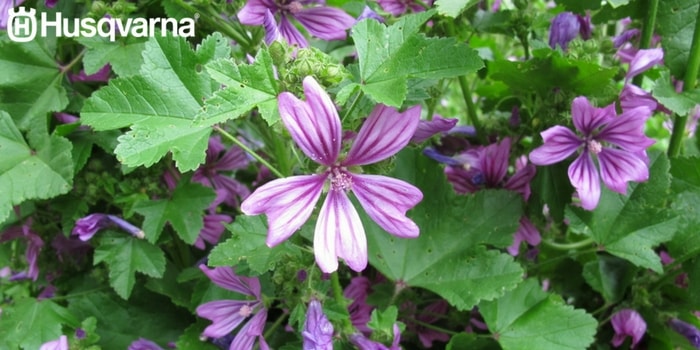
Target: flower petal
<point x="627" y="130"/>
<point x="339" y="233"/>
<point x="494" y="162"/>
<point x="427" y="128"/>
<point x="326" y="23"/>
<point x="314" y="125"/>
<point x="386" y="201"/>
<point x="385" y="132"/>
<point x="287" y="202"/>
<point x="559" y="143"/>
<point x="253" y="13"/>
<point x="584" y="177"/>
<point x="520" y="181"/>
<point x="643" y="60"/>
<point x="290" y="33"/>
<point x="272" y="32"/>
<point x="588" y="118"/>
<point x="245" y="339"/>
<point x="226" y="278"/>
<point x="224" y="314"/>
<point x="618" y="166"/>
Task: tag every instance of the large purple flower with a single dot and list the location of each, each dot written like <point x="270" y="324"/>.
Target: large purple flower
<point x="226" y="315"/>
<point x="617" y="142"/>
<point x="627" y="323"/>
<point x="323" y="22"/>
<point x="318" y="331"/>
<point x="315" y="126"/>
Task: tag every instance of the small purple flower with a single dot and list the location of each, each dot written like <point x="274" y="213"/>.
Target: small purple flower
<point x="80" y="334"/>
<point x="5" y="6"/>
<point x="144" y="344"/>
<point x="399" y="7"/>
<point x="618" y="143"/>
<point x="315" y="126"/>
<point x="101" y="76"/>
<point x="627" y="322"/>
<point x="643" y="60"/>
<point x="427" y="128"/>
<point x="212" y="230"/>
<point x="34" y="245"/>
<point x="218" y="161"/>
<point x="321" y="21"/>
<point x="318" y="331"/>
<point x="565" y="27"/>
<point x="687" y="330"/>
<point x="360" y="311"/>
<point x="227" y="315"/>
<point x="88" y="226"/>
<point x="526" y="232"/>
<point x="59" y="344"/>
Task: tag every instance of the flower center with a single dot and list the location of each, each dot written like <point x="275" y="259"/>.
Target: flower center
<point x="594" y="146"/>
<point x="245" y="311"/>
<point x="340" y="179"/>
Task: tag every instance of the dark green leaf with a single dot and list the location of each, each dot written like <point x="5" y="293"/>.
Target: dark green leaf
<point x="609" y="275"/>
<point x="28" y="323"/>
<point x="675" y="22"/>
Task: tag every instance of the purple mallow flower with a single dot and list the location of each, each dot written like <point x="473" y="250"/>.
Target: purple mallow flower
<point x="321" y="21"/>
<point x="34" y="245"/>
<point x="360" y="312"/>
<point x="144" y="344"/>
<point x="226" y="315"/>
<point x="687" y="330"/>
<point x="59" y="344"/>
<point x="617" y="142"/>
<point x="565" y="27"/>
<point x="86" y="227"/>
<point x="318" y="331"/>
<point x="101" y="76"/>
<point x="315" y="126"/>
<point x="526" y="232"/>
<point x="220" y="160"/>
<point x="399" y="7"/>
<point x="627" y="323"/>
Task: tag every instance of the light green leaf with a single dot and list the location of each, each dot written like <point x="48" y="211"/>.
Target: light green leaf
<point x="28" y="323"/>
<point x="678" y="103"/>
<point x="247" y="86"/>
<point x="450" y="256"/>
<point x="30" y="83"/>
<point x="618" y="3"/>
<point x="124" y="257"/>
<point x="160" y="103"/>
<point x="39" y="170"/>
<point x="675" y="22"/>
<point x="248" y="244"/>
<point x="389" y="56"/>
<point x="184" y="210"/>
<point x="529" y="318"/>
<point x="123" y="55"/>
<point x="453" y="8"/>
<point x="615" y="223"/>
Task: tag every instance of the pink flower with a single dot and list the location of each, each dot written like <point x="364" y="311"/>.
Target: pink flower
<point x="315" y="126"/>
<point x="627" y="322"/>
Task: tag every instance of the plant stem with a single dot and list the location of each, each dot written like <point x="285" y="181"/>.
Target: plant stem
<point x="568" y="246"/>
<point x="435" y="328"/>
<point x="72" y="63"/>
<point x="689" y="81"/>
<point x="353" y="105"/>
<point x="217" y="24"/>
<point x="274" y="326"/>
<point x="340" y="299"/>
<point x="647" y="32"/>
<point x="249" y="151"/>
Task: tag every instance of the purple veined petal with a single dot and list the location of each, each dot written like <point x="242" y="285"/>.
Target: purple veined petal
<point x="385" y="132"/>
<point x="627" y="130"/>
<point x="339" y="233"/>
<point x="618" y="166"/>
<point x="253" y="329"/>
<point x="526" y="232"/>
<point x="584" y="177"/>
<point x="253" y="13"/>
<point x="226" y="278"/>
<point x="318" y="331"/>
<point x="287" y="202"/>
<point x="290" y="33"/>
<point x="520" y="181"/>
<point x="588" y="118"/>
<point x="326" y="23"/>
<point x="427" y="128"/>
<point x="226" y="315"/>
<point x="462" y="180"/>
<point x="643" y="60"/>
<point x="625" y="37"/>
<point x="494" y="162"/>
<point x="59" y="344"/>
<point x="88" y="226"/>
<point x="433" y="154"/>
<point x="386" y="201"/>
<point x="314" y="125"/>
<point x="633" y="96"/>
<point x="212" y="230"/>
<point x="232" y="188"/>
<point x="272" y="32"/>
<point x="559" y="144"/>
<point x="395" y="7"/>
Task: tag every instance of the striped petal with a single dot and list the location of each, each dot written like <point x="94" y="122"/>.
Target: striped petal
<point x="245" y="339"/>
<point x="627" y="130"/>
<point x="385" y="132"/>
<point x="386" y="201"/>
<point x="559" y="144"/>
<point x="325" y="22"/>
<point x="253" y="13"/>
<point x="588" y="118"/>
<point x="290" y="33"/>
<point x="339" y="233"/>
<point x="584" y="177"/>
<point x="314" y="125"/>
<point x="226" y="278"/>
<point x="287" y="202"/>
<point x="225" y="315"/>
<point x="617" y="167"/>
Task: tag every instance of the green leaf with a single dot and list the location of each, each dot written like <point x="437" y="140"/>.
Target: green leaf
<point x="28" y="323"/>
<point x="453" y="8"/>
<point x="389" y="56"/>
<point x="39" y="170"/>
<point x="160" y="103"/>
<point x="678" y="103"/>
<point x="247" y="86"/>
<point x="470" y="341"/>
<point x="123" y="55"/>
<point x="125" y="256"/>
<point x="615" y="223"/>
<point x="618" y="3"/>
<point x="529" y="318"/>
<point x="609" y="275"/>
<point x="184" y="210"/>
<point x="685" y="242"/>
<point x="247" y="243"/>
<point x="30" y="83"/>
<point x="676" y="23"/>
<point x="461" y="270"/>
<point x="686" y="174"/>
<point x="551" y="186"/>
